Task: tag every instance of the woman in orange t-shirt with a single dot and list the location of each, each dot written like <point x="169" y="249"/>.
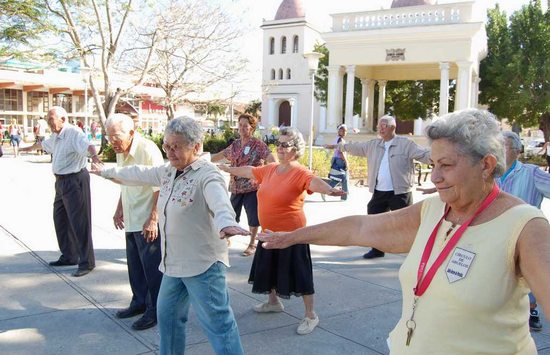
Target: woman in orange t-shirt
<point x="283" y="186"/>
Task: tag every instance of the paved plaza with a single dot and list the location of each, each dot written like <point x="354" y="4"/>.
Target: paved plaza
<point x="44" y="310"/>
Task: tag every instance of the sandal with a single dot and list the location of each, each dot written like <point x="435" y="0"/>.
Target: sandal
<point x="251" y="249"/>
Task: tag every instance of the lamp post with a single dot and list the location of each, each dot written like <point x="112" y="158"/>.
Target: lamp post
<point x="312" y="63"/>
<point x="85" y="71"/>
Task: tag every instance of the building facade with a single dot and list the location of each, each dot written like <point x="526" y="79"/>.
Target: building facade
<point x="286" y="81"/>
<point x="413" y="40"/>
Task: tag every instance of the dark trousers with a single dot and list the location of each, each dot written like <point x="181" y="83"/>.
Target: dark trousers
<point x="72" y="217"/>
<point x="385" y="201"/>
<point x="143" y="271"/>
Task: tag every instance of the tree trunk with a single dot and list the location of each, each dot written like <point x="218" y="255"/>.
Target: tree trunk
<point x="544" y="125"/>
<point x="170" y="112"/>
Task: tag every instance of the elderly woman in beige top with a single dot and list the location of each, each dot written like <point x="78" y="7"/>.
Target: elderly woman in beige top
<point x="194" y="216"/>
<point x="473" y="251"/>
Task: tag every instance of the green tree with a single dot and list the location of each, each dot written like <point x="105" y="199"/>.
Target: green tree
<point x="409" y="100"/>
<point x="518" y="70"/>
<point x="321" y="77"/>
<point x="405" y="99"/>
<point x="21" y="22"/>
<point x="215" y="108"/>
<point x="254" y="108"/>
<point x="496" y="89"/>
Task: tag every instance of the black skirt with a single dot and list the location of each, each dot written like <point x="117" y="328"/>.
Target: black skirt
<point x="288" y="271"/>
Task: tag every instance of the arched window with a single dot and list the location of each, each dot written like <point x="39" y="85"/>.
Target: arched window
<point x="271" y="45"/>
<point x="283" y="45"/>
<point x="288" y="75"/>
<point x="272" y="74"/>
<point x="280" y="74"/>
<point x="295" y="44"/>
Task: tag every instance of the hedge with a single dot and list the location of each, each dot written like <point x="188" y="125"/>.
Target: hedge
<point x="216" y="143"/>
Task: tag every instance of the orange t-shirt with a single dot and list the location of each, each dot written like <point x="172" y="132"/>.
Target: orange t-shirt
<point x="281" y="197"/>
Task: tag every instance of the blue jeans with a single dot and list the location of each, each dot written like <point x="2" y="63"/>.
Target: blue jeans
<point x="340" y="164"/>
<point x="208" y="294"/>
<point x="143" y="261"/>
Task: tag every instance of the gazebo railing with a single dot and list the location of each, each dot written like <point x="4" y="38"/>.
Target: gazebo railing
<point x="405" y="17"/>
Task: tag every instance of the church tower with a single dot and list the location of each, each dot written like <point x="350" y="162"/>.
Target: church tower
<point x="286" y="83"/>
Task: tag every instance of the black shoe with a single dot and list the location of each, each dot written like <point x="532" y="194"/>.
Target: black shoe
<point x="82" y="272"/>
<point x="129" y="312"/>
<point x="534" y="321"/>
<point x="61" y="262"/>
<point x="374" y="253"/>
<point x="144" y="323"/>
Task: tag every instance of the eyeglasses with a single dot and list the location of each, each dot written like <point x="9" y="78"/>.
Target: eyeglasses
<point x="284" y="144"/>
<point x="116" y="138"/>
<point x="167" y="147"/>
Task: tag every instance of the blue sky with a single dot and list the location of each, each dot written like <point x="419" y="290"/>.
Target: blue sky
<point x="254" y="11"/>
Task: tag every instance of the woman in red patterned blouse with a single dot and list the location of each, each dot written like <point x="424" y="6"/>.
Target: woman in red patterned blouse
<point x="246" y="151"/>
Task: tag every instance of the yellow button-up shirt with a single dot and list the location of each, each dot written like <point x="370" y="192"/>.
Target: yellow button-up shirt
<point x="137" y="201"/>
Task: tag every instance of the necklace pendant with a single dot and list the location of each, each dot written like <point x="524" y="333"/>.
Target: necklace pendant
<point x="450" y="230"/>
<point x="411" y="326"/>
<point x="409" y="336"/>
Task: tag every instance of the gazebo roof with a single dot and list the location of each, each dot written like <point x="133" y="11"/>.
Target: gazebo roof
<point x="290" y="9"/>
<point x="405" y="3"/>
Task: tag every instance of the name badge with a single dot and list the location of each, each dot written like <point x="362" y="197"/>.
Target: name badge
<point x="458" y="266"/>
<point x="246" y="150"/>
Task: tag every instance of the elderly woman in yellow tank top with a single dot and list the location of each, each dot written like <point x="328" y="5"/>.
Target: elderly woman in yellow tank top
<point x="474" y="251"/>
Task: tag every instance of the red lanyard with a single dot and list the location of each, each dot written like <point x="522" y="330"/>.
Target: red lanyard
<point x="423" y="282"/>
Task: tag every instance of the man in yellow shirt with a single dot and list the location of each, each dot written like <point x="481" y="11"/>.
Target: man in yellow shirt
<point x="136" y="213"/>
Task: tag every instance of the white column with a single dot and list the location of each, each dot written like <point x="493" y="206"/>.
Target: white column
<point x="334" y="97"/>
<point x="74" y="111"/>
<point x="475" y="91"/>
<point x="463" y="85"/>
<point x="370" y="106"/>
<point x="444" y="89"/>
<point x="271" y="113"/>
<point x="25" y="117"/>
<point x="292" y="103"/>
<point x="381" y="97"/>
<point x="364" y="103"/>
<point x="350" y="90"/>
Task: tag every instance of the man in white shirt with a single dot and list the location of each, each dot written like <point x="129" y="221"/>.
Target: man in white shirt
<point x="40" y="129"/>
<point x="136" y="213"/>
<point x="390" y="161"/>
<point x="72" y="213"/>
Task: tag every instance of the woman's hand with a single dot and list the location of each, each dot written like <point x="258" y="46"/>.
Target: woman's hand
<point x="224" y="167"/>
<point x="231" y="231"/>
<point x="274" y="240"/>
<point x="336" y="192"/>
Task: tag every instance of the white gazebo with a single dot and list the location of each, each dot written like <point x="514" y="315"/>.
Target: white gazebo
<point x="414" y="40"/>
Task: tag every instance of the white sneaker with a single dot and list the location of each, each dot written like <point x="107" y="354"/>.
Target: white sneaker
<point x="268" y="307"/>
<point x="307" y="325"/>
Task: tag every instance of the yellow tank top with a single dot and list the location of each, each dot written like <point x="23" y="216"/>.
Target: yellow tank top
<point x="475" y="304"/>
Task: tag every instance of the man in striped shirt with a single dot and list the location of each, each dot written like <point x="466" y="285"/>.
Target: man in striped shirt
<point x="529" y="183"/>
<point x="72" y="211"/>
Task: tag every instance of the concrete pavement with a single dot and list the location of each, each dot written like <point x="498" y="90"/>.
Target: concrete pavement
<point x="43" y="310"/>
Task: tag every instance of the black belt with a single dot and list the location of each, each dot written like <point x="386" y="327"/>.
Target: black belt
<point x="65" y="176"/>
